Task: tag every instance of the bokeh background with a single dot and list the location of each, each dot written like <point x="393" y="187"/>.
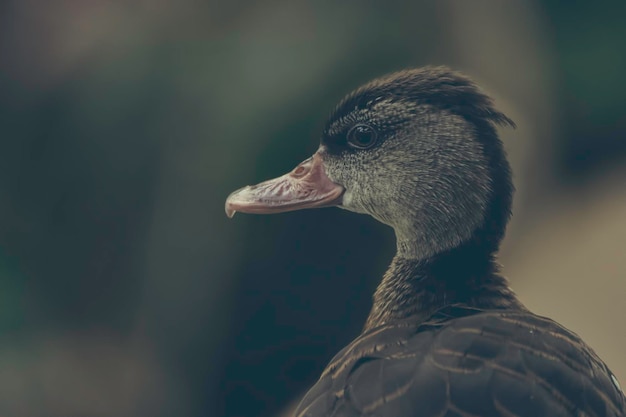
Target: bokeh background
<point x="125" y="290"/>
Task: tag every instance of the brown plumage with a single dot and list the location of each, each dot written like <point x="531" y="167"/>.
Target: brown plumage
<point x="466" y="362"/>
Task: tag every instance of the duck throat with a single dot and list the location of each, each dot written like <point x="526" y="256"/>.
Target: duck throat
<point x="418" y="287"/>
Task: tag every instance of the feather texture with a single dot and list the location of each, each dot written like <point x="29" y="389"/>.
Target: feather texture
<point x="466" y="362"/>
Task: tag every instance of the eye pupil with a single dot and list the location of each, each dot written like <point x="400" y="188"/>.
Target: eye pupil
<point x="362" y="137"/>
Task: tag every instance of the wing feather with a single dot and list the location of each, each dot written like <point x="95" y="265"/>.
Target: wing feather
<point x="464" y="362"/>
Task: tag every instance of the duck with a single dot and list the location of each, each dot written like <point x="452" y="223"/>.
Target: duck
<point x="419" y="151"/>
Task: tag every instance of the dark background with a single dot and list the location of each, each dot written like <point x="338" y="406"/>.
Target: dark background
<point x="125" y="290"/>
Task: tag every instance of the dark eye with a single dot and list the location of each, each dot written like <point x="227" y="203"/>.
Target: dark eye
<point x="362" y="137"/>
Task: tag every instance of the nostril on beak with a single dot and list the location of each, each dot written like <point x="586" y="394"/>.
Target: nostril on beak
<point x="302" y="169"/>
<point x="299" y="171"/>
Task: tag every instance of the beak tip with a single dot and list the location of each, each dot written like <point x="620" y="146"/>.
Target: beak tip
<point x="228" y="208"/>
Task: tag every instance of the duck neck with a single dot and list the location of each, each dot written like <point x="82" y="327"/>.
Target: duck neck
<point x="466" y="275"/>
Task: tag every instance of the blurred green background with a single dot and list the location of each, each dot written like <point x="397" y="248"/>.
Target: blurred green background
<point x="125" y="290"/>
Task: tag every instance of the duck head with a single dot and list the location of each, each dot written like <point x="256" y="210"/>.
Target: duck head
<point x="418" y="151"/>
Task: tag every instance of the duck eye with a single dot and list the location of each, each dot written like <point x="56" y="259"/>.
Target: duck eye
<point x="362" y="137"/>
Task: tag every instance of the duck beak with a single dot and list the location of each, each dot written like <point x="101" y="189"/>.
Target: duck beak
<point x="307" y="186"/>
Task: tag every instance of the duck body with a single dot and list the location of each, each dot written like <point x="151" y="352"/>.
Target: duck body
<point x="466" y="362"/>
<point x="470" y="349"/>
<point x="446" y="336"/>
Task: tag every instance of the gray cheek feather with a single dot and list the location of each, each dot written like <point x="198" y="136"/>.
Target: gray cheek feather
<point x="429" y="181"/>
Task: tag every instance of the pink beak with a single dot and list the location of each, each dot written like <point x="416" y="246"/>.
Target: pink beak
<point x="307" y="186"/>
